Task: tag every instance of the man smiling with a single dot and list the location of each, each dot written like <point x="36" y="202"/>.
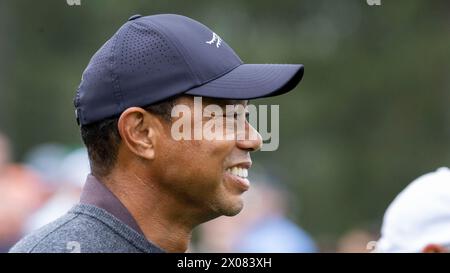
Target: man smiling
<point x="147" y="189"/>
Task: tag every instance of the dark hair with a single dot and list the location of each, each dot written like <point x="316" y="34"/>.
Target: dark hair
<point x="102" y="138"/>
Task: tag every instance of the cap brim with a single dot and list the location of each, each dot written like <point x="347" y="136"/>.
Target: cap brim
<point x="250" y="81"/>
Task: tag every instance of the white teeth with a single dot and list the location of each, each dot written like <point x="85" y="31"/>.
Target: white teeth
<point x="241" y="172"/>
<point x="235" y="171"/>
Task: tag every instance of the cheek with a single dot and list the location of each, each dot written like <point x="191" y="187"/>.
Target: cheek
<point x="194" y="163"/>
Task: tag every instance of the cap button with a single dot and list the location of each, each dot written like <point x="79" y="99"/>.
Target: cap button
<point x="134" y="17"/>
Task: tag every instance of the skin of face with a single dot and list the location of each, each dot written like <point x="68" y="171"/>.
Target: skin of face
<point x="195" y="170"/>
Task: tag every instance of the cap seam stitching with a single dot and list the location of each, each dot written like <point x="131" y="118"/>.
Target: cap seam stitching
<point x="115" y="77"/>
<point x="190" y="68"/>
<point x="155" y="25"/>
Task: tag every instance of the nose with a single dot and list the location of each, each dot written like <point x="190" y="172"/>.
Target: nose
<point x="252" y="141"/>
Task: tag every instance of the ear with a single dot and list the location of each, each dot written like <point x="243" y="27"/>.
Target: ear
<point x="434" y="248"/>
<point x="137" y="129"/>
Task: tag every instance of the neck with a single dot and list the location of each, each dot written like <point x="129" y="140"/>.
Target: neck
<point x="163" y="220"/>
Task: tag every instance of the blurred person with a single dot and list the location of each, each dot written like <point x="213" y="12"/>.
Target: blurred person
<point x="262" y="226"/>
<point x="418" y="220"/>
<point x="68" y="177"/>
<point x="5" y="152"/>
<point x="148" y="190"/>
<point x="45" y="159"/>
<point x="356" y="241"/>
<point x="21" y="193"/>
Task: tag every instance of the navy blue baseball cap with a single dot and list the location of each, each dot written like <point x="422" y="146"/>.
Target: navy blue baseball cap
<point x="153" y="58"/>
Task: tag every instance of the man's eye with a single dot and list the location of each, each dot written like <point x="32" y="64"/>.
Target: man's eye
<point x="237" y="115"/>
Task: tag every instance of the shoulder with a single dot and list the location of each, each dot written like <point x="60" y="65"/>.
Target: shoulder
<point x="45" y="236"/>
<point x="76" y="232"/>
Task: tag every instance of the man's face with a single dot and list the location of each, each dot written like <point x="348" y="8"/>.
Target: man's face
<point x="200" y="172"/>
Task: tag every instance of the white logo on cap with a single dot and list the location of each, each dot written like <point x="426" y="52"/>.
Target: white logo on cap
<point x="215" y="38"/>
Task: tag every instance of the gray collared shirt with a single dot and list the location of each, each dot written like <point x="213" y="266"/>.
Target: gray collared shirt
<point x="99" y="223"/>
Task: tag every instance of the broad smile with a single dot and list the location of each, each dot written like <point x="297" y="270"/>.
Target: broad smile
<point x="238" y="175"/>
<point x="238" y="171"/>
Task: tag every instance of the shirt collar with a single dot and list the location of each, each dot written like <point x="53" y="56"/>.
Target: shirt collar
<point x="97" y="194"/>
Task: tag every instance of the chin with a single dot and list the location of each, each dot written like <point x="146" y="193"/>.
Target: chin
<point x="233" y="208"/>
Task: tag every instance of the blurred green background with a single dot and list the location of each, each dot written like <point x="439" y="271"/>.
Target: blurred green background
<point x="370" y="115"/>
